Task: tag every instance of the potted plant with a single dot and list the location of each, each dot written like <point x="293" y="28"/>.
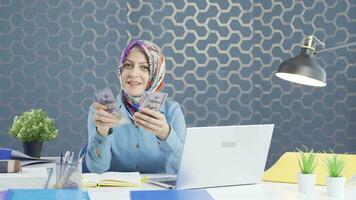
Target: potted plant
<point x="32" y="128"/>
<point x="306" y="177"/>
<point x="335" y="182"/>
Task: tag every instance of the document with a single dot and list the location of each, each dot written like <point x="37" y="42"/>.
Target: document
<point x="27" y="178"/>
<point x="112" y="179"/>
<point x="7" y="154"/>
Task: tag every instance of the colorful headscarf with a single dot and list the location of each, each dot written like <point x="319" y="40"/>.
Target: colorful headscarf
<point x="156" y="75"/>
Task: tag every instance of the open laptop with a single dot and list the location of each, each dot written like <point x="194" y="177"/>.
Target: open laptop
<point x="223" y="156"/>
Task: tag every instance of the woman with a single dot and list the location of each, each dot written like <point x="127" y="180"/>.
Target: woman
<point x="153" y="141"/>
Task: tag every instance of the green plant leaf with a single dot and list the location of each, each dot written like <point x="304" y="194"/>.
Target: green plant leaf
<point x="334" y="165"/>
<point x="306" y="161"/>
<point x="33" y="126"/>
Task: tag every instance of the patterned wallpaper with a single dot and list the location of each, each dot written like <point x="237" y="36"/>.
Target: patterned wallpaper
<point x="221" y="57"/>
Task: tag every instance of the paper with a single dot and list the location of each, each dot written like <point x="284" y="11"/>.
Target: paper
<point x="153" y="100"/>
<point x="27" y="178"/>
<point x="118" y="179"/>
<point x="105" y="97"/>
<point x="23" y="158"/>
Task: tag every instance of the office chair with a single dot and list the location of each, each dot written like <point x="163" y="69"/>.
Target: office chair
<point x="81" y="153"/>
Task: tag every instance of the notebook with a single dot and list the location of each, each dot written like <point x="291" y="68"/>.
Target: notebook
<point x="112" y="179"/>
<point x="47" y="194"/>
<point x="9" y="154"/>
<point x="171" y="195"/>
<point x="27" y="178"/>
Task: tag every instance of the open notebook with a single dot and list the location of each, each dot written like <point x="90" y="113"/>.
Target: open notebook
<point x="112" y="179"/>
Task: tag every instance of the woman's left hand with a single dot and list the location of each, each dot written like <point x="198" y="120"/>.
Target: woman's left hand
<point x="153" y="121"/>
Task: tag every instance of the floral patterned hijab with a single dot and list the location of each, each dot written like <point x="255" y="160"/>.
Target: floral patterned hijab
<point x="156" y="75"/>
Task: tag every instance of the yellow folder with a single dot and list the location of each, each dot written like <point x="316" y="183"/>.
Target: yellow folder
<point x="286" y="168"/>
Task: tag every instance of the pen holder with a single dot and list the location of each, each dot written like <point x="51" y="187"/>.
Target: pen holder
<point x="68" y="175"/>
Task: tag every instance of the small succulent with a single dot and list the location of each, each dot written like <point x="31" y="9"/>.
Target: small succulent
<point x="306" y="161"/>
<point x="335" y="165"/>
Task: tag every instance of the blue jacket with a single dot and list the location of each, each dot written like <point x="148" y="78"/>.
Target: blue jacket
<point x="130" y="148"/>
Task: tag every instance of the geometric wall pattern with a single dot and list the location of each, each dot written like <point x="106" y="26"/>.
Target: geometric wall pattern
<point x="221" y="57"/>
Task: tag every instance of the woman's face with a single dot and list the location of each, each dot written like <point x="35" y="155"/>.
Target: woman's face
<point x="135" y="73"/>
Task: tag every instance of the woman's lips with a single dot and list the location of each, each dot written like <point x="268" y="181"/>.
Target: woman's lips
<point x="133" y="83"/>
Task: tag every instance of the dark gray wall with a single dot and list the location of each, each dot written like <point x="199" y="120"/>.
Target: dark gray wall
<point x="221" y="57"/>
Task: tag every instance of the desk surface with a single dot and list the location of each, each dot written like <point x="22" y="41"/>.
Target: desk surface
<point x="264" y="190"/>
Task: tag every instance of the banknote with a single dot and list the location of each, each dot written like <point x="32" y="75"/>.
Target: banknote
<point x="106" y="97"/>
<point x="153" y="100"/>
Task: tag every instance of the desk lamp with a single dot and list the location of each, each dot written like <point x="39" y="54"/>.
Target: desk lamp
<point x="304" y="69"/>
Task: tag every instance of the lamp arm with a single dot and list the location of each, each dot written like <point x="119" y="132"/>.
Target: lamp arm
<point x="337" y="47"/>
<point x="320" y="42"/>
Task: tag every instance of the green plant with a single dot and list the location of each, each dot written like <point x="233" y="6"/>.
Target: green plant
<point x="335" y="165"/>
<point x="306" y="161"/>
<point x="33" y="126"/>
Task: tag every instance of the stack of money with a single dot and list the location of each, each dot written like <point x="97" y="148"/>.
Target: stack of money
<point x="153" y="100"/>
<point x="106" y="97"/>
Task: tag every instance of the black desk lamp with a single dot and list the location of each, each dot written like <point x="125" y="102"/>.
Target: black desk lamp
<point x="304" y="69"/>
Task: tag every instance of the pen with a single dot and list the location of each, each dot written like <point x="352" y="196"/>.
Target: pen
<point x="66" y="160"/>
<point x="60" y="167"/>
<point x="49" y="177"/>
<point x="81" y="159"/>
<point x="160" y="184"/>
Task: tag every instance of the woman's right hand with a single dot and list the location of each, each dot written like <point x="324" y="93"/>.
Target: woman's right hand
<point x="102" y="119"/>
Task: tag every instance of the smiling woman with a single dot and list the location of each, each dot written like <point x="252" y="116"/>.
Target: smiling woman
<point x="135" y="73"/>
<point x="153" y="141"/>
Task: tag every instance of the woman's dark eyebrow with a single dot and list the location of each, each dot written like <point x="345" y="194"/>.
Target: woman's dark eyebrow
<point x="138" y="63"/>
<point x="128" y="60"/>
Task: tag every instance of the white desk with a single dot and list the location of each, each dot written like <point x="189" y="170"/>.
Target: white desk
<point x="264" y="190"/>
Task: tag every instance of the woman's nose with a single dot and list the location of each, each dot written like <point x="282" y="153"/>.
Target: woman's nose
<point x="134" y="71"/>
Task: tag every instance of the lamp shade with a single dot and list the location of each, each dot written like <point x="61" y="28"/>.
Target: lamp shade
<point x="303" y="69"/>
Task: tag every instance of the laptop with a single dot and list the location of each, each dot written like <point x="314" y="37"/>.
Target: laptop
<point x="222" y="156"/>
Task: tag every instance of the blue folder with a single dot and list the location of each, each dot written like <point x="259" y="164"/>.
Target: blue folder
<point x="3" y="195"/>
<point x="5" y="154"/>
<point x="170" y="194"/>
<point x="46" y="194"/>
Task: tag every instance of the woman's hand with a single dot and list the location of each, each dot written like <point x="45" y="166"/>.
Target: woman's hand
<point x="102" y="119"/>
<point x="153" y="121"/>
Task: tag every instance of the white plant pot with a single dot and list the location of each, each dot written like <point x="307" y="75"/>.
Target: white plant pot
<point x="306" y="183"/>
<point x="335" y="186"/>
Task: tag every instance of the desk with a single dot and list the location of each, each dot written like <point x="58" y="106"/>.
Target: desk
<point x="263" y="191"/>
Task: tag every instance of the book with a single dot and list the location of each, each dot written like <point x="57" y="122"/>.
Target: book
<point x="111" y="179"/>
<point x="27" y="178"/>
<point x="171" y="195"/>
<point x="9" y="154"/>
<point x="46" y="194"/>
<point x="3" y="195"/>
